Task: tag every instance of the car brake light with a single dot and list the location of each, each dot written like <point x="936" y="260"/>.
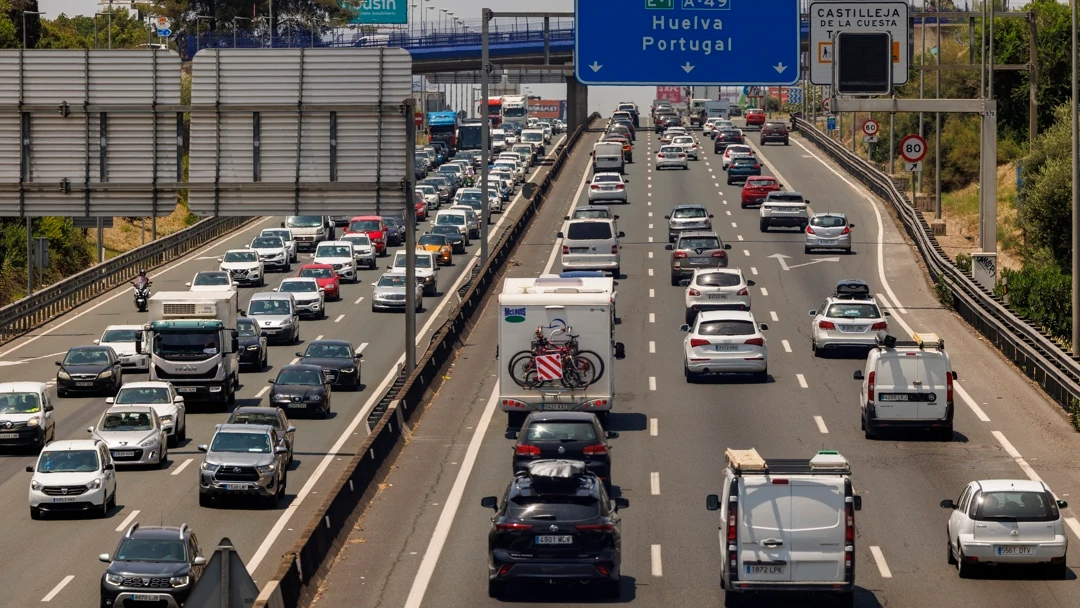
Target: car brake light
<point x="826" y="325"/>
<point x="512" y="527"/>
<point x="620" y="187"/>
<point x="781" y="482"/>
<point x="810" y="230"/>
<point x="847" y="230"/>
<point x="743" y="292"/>
<point x="696" y="342"/>
<point x="879" y="326"/>
<point x="719" y="254"/>
<point x="948" y="388"/>
<point x="614" y="249"/>
<point x="595" y="450"/>
<point x="849" y="522"/>
<point x="595" y="527"/>
<point x="678" y="255"/>
<point x="526" y="450"/>
<point x="594" y="187"/>
<point x="565" y="250"/>
<point x="755" y="342"/>
<point x="693" y="293"/>
<point x="870" y="386"/>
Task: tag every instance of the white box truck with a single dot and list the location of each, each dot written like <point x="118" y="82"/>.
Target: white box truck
<point x="557" y="347"/>
<point x="192" y="343"/>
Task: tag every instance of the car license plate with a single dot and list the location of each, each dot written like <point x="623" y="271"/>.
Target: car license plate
<point x="66" y="499"/>
<point x="84" y="384"/>
<point x="725" y="347"/>
<point x="297" y="406"/>
<point x="127" y="454"/>
<point x="717" y="296"/>
<point x="579" y="250"/>
<point x="699" y="260"/>
<point x="237" y="486"/>
<point x="557" y="407"/>
<point x="270" y="332"/>
<point x="752" y="569"/>
<point x="144" y="597"/>
<point x="186" y="389"/>
<point x="1014" y="550"/>
<point x="9" y="435"/>
<point x="548" y="539"/>
<point x="853" y="328"/>
<point x="893" y="397"/>
<point x="825" y="241"/>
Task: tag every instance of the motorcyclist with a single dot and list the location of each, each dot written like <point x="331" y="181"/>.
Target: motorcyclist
<point x="141" y="281"/>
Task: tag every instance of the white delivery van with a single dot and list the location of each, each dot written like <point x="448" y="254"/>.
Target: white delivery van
<point x="787" y="526"/>
<point x="608" y="156"/>
<point x="591" y="244"/>
<point x="498" y="140"/>
<point x="907" y="385"/>
<point x="557" y="346"/>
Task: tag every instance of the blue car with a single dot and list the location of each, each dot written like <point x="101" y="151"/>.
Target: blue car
<point x="742" y="167"/>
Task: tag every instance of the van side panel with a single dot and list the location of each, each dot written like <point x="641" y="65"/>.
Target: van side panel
<point x="817" y="530"/>
<point x="932" y="372"/>
<point x="765" y="519"/>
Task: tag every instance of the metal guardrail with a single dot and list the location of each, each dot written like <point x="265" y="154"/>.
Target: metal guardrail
<point x="1028" y="346"/>
<point x="34" y="311"/>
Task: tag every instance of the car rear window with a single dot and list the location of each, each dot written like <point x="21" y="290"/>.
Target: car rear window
<point x="560" y="431"/>
<point x="719" y="279"/>
<point x="1012" y="506"/>
<point x="606" y="178"/>
<point x="785" y="198"/>
<point x="726" y="328"/>
<point x="671" y="149"/>
<point x="760" y="183"/>
<point x="586" y="231"/>
<point x="828" y="221"/>
<point x="589" y="214"/>
<point x="853" y="311"/>
<point x="699" y="242"/>
<point x="553" y="508"/>
<point x="744" y="160"/>
<point x="689" y="212"/>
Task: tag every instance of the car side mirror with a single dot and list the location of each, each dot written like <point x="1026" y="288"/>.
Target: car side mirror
<point x="764" y="327"/>
<point x="727" y="246"/>
<point x="490" y="502"/>
<point x="858" y="375"/>
<point x="669" y="247"/>
<point x="559" y="235"/>
<point x="621" y="503"/>
<point x="299" y="354"/>
<point x="954" y="376"/>
<point x="281" y="450"/>
<point x="29" y="468"/>
<point x="684" y="328"/>
<point x="220" y="260"/>
<point x="616" y="217"/>
<point x="626" y="181"/>
<point x="270" y="381"/>
<point x="110" y="400"/>
<point x="667" y="217"/>
<point x="856" y="502"/>
<point x="274" y="289"/>
<point x="97" y="341"/>
<point x="199" y="561"/>
<point x="711" y="216"/>
<point x="684" y="283"/>
<point x="712" y="502"/>
<point x="90" y="429"/>
<point x="612" y="434"/>
<point x="203" y="447"/>
<point x="48" y="407"/>
<point x="620" y="350"/>
<point x="178" y="399"/>
<point x="282" y="224"/>
<point x="887" y="313"/>
<point x="806" y="201"/>
<point x="566" y="217"/>
<point x="851" y="225"/>
<point x="58" y="364"/>
<point x="109" y="467"/>
<point x="947" y="504"/>
<point x="751" y="283"/>
<point x="189" y="285"/>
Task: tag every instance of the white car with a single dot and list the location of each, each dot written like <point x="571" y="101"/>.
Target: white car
<point x="514" y="168"/>
<point x="212" y="280"/>
<point x="272" y="252"/>
<point x="287" y="236"/>
<point x="338" y="254"/>
<point x="506" y="176"/>
<point x="671" y="133"/>
<point x="844" y="323"/>
<point x="688" y="145"/>
<point x="122" y="339"/>
<point x="784" y="208"/>
<point x="1007" y="521"/>
<point x="363" y="249"/>
<point x="671" y="157"/>
<point x="73" y="475"/>
<point x="26" y="415"/>
<point x="725" y="342"/>
<point x="732" y="151"/>
<point x="608" y="187"/>
<point x="431" y="195"/>
<point x="709" y="126"/>
<point x="161" y="396"/>
<point x="427" y="270"/>
<point x="133" y="434"/>
<point x="716" y="289"/>
<point x="244" y="265"/>
<point x="310" y="298"/>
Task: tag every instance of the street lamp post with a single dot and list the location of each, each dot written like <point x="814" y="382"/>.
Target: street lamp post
<point x="442" y="17"/>
<point x="234" y="28"/>
<point x="412" y="17"/>
<point x="96" y="15"/>
<point x="24" y="14"/>
<point x="29" y="222"/>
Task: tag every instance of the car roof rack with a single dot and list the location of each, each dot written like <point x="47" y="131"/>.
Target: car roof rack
<point x="852" y="289"/>
<point x="183" y="528"/>
<point x="922" y="341"/>
<point x="555" y="475"/>
<point x="825" y="462"/>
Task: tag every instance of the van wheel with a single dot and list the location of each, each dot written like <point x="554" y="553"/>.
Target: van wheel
<point x="869" y="432"/>
<point x="732" y="600"/>
<point x="946" y="434"/>
<point x="845" y="599"/>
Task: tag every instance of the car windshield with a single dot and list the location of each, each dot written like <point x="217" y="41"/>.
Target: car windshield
<point x="433" y="239"/>
<point x="699" y="242"/>
<point x="365" y="226"/>
<point x="86" y="357"/>
<point x="151" y="550"/>
<point x="467" y="197"/>
<point x="358" y="239"/>
<point x="68" y="461"/>
<point x="718" y="279"/>
<point x="267" y="242"/>
<point x="1015" y="506"/>
<point x="246" y="330"/>
<point x="256" y="418"/>
<point x="211" y="278"/>
<point x="606" y="178"/>
<point x="760" y="183"/>
<point x="126" y="421"/>
<point x="689" y="212"/>
<point x="422" y="261"/>
<point x="584" y="231"/>
<point x="241" y="256"/>
<point x="120" y="335"/>
<point x="726" y="328"/>
<point x="392" y="281"/>
<point x="560" y="431"/>
<point x="333" y="251"/>
<point x="256" y="443"/>
<point x="304" y="221"/>
<point x="20" y="403"/>
<point x="284" y="235"/>
<point x="329" y="351"/>
<point x="828" y="221"/>
<point x="532" y="137"/>
<point x="269" y="307"/>
<point x="451" y="219"/>
<point x="393" y="222"/>
<point x="853" y="311"/>
<point x="553" y="508"/>
<point x="306" y="377"/>
<point x="585" y="214"/>
<point x="143" y="395"/>
<point x="298" y="286"/>
<point x="317" y="273"/>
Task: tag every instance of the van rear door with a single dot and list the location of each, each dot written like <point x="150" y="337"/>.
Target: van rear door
<point x="764" y="530"/>
<point x="817" y="529"/>
<point x="896" y="394"/>
<point x="933" y="390"/>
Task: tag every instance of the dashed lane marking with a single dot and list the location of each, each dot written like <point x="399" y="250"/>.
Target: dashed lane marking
<point x="67" y="579"/>
<point x="802" y="381"/>
<point x="821" y="425"/>
<point x="652" y="383"/>
<point x="654" y="427"/>
<point x="654" y="483"/>
<point x="338" y="320"/>
<point x="652" y="347"/>
<point x="772" y="313"/>
<point x="879" y="559"/>
<point x="127" y="520"/>
<point x="657" y="565"/>
<point x="764" y="291"/>
<point x="183" y="465"/>
<point x="787" y="346"/>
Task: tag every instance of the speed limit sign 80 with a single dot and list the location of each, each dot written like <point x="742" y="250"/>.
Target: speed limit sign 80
<point x="870" y="128"/>
<point x="913" y="148"/>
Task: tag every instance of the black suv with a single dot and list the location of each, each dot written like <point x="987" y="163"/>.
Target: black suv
<point x="725" y="138"/>
<point x="774" y="132"/>
<point x="556" y="522"/>
<point x="152" y="566"/>
<point x="576" y="435"/>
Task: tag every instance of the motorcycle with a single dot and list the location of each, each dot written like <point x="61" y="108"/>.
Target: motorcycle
<point x="142" y="295"/>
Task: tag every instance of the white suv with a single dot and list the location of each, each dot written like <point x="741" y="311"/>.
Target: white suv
<point x="340" y="255"/>
<point x="73" y="475"/>
<point x="788" y="209"/>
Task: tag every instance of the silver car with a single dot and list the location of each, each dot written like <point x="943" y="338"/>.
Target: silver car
<point x="310" y="299"/>
<point x="390" y="293"/>
<point x="276" y="315"/>
<point x="694" y="250"/>
<point x="671" y="156"/>
<point x="133" y="435"/>
<point x="363" y="250"/>
<point x="828" y="231"/>
<point x="272" y="252"/>
<point x="687" y="217"/>
<point x="244" y="460"/>
<point x="608" y="187"/>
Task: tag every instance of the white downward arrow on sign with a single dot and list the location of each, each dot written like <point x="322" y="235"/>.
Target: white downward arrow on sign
<point x="688" y="68"/>
<point x="780" y="67"/>
<point x="784" y="258"/>
<point x="595" y="66"/>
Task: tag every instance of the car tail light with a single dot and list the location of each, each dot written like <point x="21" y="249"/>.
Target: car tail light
<point x="847" y="230"/>
<point x="826" y="325"/>
<point x="595" y="450"/>
<point x="755" y="342"/>
<point x="781" y="482"/>
<point x="513" y="403"/>
<point x="512" y="527"/>
<point x="594" y="187"/>
<point x="504" y="570"/>
<point x="849" y="522"/>
<point x="681" y="155"/>
<point x="948" y="388"/>
<point x="565" y="250"/>
<point x="757" y="166"/>
<point x="678" y="255"/>
<point x="719" y="254"/>
<point x="732" y="532"/>
<point x="693" y="292"/>
<point x="743" y="292"/>
<point x="696" y="342"/>
<point x="870" y="386"/>
<point x="810" y="230"/>
<point x="614" y="249"/>
<point x="660" y="155"/>
<point x="595" y="527"/>
<point x="526" y="450"/>
<point x="620" y="187"/>
<point x="879" y="326"/>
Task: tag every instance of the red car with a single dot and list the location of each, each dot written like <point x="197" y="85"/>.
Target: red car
<point x="374" y="227"/>
<point x="325" y="276"/>
<point x="755" y="118"/>
<point x="421" y="208"/>
<point x="757" y="188"/>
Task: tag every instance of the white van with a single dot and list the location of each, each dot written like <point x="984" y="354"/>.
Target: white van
<point x="498" y="140"/>
<point x="427" y="270"/>
<point x="608" y="156"/>
<point x="786" y="525"/>
<point x="456" y="218"/>
<point x="907" y="384"/>
<point x="591" y="245"/>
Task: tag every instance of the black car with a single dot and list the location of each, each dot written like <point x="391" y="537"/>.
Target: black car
<point x="89" y="369"/>
<point x="269" y="416"/>
<point x="443" y="149"/>
<point x="570" y="435"/>
<point x="776" y="132"/>
<point x="339" y="361"/>
<point x="152" y="566"/>
<point x="396" y="234"/>
<point x="252" y="344"/>
<point x="556" y="523"/>
<point x="726" y="138"/>
<point x="452" y="234"/>
<point x="441" y="185"/>
<point x="301" y="388"/>
<point x="447" y="182"/>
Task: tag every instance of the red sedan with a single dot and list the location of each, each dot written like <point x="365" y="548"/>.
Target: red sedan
<point x="755" y="118"/>
<point x="325" y="276"/>
<point x="757" y="188"/>
<point x="421" y="208"/>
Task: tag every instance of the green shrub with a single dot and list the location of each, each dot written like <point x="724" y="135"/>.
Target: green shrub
<point x="963" y="262"/>
<point x="1042" y="294"/>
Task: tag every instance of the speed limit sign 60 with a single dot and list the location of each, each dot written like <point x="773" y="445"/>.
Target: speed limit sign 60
<point x="870" y="128"/>
<point x="913" y="148"/>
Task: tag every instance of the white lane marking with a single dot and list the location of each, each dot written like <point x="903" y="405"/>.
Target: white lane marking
<point x="652" y="317"/>
<point x="58" y="588"/>
<point x="657" y="564"/>
<point x="650" y="177"/>
<point x="764" y="291"/>
<point x="652" y="383"/>
<point x="734" y="225"/>
<point x="338" y="320"/>
<point x="123" y="290"/>
<point x="970" y="402"/>
<point x="727" y="212"/>
<point x="650" y="214"/>
<point x="787" y="346"/>
<point x="725" y="202"/>
<point x="650" y="239"/>
<point x="319" y="337"/>
<point x="821" y="425"/>
<point x="753" y="270"/>
<point x="261" y="392"/>
<point x="1073" y="525"/>
<point x="650" y="272"/>
<point x="772" y="314"/>
<point x="127" y="521"/>
<point x="802" y="381"/>
<point x="746" y="252"/>
<point x="1012" y="451"/>
<point x="652" y="293"/>
<point x="294" y="361"/>
<point x="652" y="347"/>
<point x="654" y="483"/>
<point x="717" y="184"/>
<point x="650" y="226"/>
<point x="879" y="559"/>
<point x="650" y="255"/>
<point x="183" y="465"/>
<point x="450" y="507"/>
<point x="358" y="300"/>
<point x="29" y="359"/>
<point x="739" y="237"/>
<point x="360" y="349"/>
<point x="654" y="427"/>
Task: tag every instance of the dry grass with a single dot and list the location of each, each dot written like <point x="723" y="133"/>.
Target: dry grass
<point x="126" y="235"/>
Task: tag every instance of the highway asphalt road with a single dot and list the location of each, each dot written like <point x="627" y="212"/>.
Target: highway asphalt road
<point x="424" y="540"/>
<point x="65" y="549"/>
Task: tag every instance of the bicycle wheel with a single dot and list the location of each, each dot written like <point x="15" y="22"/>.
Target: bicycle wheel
<point x="572" y="377"/>
<point x="589" y="367"/>
<point x="523" y="370"/>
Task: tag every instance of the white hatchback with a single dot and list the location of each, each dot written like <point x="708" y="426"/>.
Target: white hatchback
<point x="716" y="289"/>
<point x="843" y="323"/>
<point x="725" y="342"/>
<point x="732" y="151"/>
<point x="688" y="145"/>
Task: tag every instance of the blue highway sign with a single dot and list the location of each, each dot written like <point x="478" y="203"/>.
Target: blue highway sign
<point x="164" y="33"/>
<point x="687" y="42"/>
